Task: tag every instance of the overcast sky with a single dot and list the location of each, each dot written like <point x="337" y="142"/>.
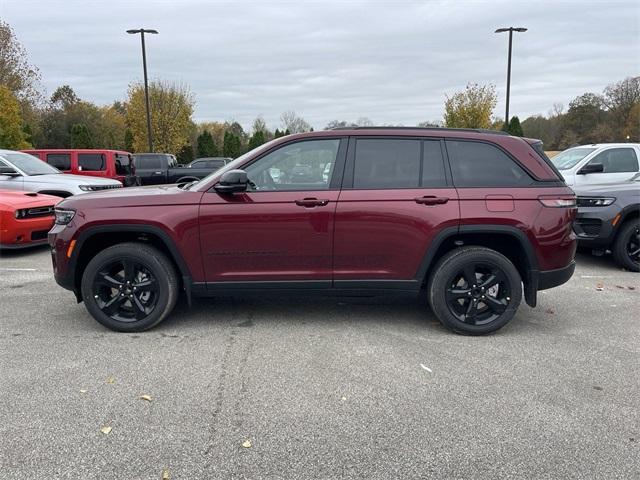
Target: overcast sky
<point x="391" y="61"/>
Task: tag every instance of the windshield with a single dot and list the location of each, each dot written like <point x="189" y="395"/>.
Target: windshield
<point x="29" y="164"/>
<point x="233" y="164"/>
<point x="569" y="158"/>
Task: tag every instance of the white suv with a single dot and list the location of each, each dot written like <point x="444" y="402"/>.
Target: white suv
<point x="598" y="163"/>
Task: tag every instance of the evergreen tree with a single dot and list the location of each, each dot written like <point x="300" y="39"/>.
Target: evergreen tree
<point x="232" y="147"/>
<point x="515" y="128"/>
<point x="185" y="155"/>
<point x="80" y="136"/>
<point x="278" y="134"/>
<point x="256" y="139"/>
<point x="206" y="146"/>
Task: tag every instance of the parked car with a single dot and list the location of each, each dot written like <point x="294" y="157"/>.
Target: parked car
<point x="609" y="220"/>
<point x="25" y="218"/>
<point x="162" y="168"/>
<point x="21" y="171"/>
<point x="468" y="215"/>
<point x="598" y="163"/>
<point x="114" y="164"/>
<point x="213" y="163"/>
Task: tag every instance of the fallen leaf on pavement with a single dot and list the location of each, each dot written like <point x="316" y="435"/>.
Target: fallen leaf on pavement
<point x="246" y="444"/>
<point x="550" y="311"/>
<point x="631" y="288"/>
<point x="165" y="474"/>
<point x="106" y="429"/>
<point x="146" y="397"/>
<point x="344" y="399"/>
<point x="600" y="287"/>
<point x="110" y="379"/>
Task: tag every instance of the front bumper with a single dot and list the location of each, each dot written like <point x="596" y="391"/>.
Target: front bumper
<point x="59" y="240"/>
<point x="24" y="233"/>
<point x="594" y="226"/>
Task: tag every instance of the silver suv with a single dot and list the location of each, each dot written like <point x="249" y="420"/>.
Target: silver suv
<point x="20" y="171"/>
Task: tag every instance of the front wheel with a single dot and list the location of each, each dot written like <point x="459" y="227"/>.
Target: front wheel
<point x="474" y="290"/>
<point x="129" y="287"/>
<point x="626" y="248"/>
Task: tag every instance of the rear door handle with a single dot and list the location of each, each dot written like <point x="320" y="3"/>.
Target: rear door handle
<point x="311" y="202"/>
<point x="431" y="200"/>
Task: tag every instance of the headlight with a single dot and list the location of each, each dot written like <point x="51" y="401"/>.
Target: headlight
<point x="21" y="213"/>
<point x="86" y="188"/>
<point x="63" y="217"/>
<point x="595" y="201"/>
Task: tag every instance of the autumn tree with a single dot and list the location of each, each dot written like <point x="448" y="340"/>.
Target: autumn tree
<point x="471" y="108"/>
<point x="12" y="135"/>
<point x="205" y="146"/>
<point x="171" y="109"/>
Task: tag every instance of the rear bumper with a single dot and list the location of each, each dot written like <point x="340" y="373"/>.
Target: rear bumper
<point x="553" y="278"/>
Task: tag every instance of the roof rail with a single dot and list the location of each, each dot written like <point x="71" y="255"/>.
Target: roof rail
<point x="474" y="130"/>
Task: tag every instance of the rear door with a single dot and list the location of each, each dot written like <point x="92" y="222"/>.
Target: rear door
<point x="152" y="169"/>
<point x="396" y="197"/>
<point x="92" y="163"/>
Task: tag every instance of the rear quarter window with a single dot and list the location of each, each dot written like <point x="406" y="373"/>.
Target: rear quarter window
<point x="479" y="164"/>
<point x="91" y="162"/>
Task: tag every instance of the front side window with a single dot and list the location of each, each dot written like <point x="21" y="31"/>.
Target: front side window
<point x="296" y="166"/>
<point x="617" y="160"/>
<point x="478" y="164"/>
<point x="386" y="163"/>
<point x="61" y="161"/>
<point x="92" y="162"/>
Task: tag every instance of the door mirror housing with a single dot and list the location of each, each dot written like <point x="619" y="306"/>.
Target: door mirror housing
<point x="591" y="168"/>
<point x="8" y="171"/>
<point x="232" y="181"/>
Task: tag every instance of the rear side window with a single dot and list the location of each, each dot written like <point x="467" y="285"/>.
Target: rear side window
<point x="478" y="164"/>
<point x="386" y="163"/>
<point x="61" y="161"/>
<point x="123" y="164"/>
<point x="617" y="160"/>
<point x="92" y="162"/>
<point x="151" y="162"/>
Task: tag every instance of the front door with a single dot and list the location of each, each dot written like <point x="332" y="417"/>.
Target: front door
<point x="396" y="197"/>
<point x="281" y="228"/>
<point x="619" y="165"/>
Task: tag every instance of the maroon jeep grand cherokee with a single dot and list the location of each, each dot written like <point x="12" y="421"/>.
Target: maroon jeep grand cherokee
<point x="477" y="218"/>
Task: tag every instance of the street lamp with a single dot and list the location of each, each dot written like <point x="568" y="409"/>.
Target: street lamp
<point x="510" y="30"/>
<point x="142" y="31"/>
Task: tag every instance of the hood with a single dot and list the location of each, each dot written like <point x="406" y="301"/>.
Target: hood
<point x="69" y="179"/>
<point x="14" y="199"/>
<point x="604" y="189"/>
<point x="152" y="195"/>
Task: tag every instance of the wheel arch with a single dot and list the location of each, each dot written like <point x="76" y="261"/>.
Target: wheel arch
<point x="100" y="237"/>
<point x="507" y="240"/>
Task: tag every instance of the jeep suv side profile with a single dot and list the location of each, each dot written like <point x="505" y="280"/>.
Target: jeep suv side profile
<point x="479" y="219"/>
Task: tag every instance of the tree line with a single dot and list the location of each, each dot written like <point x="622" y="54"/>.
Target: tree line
<point x="63" y="120"/>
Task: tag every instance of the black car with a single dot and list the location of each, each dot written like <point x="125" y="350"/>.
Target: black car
<point x="161" y="168"/>
<point x="609" y="220"/>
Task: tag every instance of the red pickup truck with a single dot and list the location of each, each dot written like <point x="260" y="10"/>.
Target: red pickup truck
<point x="115" y="164"/>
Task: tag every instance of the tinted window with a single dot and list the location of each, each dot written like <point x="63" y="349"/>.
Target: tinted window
<point x="386" y="163"/>
<point x="61" y="161"/>
<point x="92" y="162"/>
<point x="433" y="165"/>
<point x="150" y="162"/>
<point x="296" y="166"/>
<point x="617" y="160"/>
<point x="476" y="164"/>
<point x="123" y="163"/>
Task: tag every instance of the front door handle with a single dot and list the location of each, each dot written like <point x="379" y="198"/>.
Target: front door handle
<point x="431" y="200"/>
<point x="311" y="202"/>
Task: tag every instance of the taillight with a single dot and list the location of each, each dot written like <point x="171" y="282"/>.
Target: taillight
<point x="558" y="201"/>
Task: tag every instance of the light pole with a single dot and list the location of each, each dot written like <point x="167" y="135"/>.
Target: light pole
<point x="510" y="30"/>
<point x="142" y="31"/>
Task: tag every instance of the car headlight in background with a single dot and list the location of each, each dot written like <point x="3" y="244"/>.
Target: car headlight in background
<point x="95" y="188"/>
<point x="595" y="201"/>
<point x="21" y="213"/>
<point x="63" y="217"/>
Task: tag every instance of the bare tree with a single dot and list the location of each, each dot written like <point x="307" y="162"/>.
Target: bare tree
<point x="20" y="77"/>
<point x="293" y="123"/>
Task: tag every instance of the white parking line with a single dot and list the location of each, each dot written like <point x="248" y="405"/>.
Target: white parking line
<point x="19" y="269"/>
<point x="426" y="368"/>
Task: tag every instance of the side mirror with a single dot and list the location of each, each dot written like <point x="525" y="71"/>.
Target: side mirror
<point x="8" y="171"/>
<point x="232" y="181"/>
<point x="591" y="168"/>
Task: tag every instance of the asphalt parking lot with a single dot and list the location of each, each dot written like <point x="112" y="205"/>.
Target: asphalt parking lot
<point x="321" y="388"/>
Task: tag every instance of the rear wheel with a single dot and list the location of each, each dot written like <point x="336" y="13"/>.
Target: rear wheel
<point x="129" y="287"/>
<point x="626" y="248"/>
<point x="474" y="290"/>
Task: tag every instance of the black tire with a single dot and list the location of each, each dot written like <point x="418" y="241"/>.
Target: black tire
<point x="626" y="247"/>
<point x="463" y="310"/>
<point x="129" y="287"/>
